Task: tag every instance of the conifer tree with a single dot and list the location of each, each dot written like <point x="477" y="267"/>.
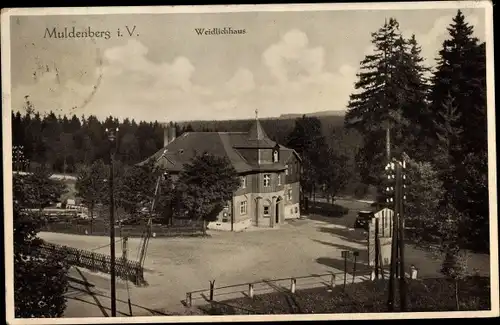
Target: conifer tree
<point x="415" y="107"/>
<point x="391" y="93"/>
<point x="448" y="133"/>
<point x="461" y="75"/>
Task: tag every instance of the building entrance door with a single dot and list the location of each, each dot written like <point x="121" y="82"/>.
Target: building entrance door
<point x="277" y="214"/>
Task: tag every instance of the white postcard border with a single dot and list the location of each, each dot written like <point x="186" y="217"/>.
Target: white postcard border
<point x="7" y="152"/>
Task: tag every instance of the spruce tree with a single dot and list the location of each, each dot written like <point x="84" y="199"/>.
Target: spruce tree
<point x="416" y="107"/>
<point x="391" y="93"/>
<point x="448" y="133"/>
<point x="369" y="109"/>
<point x="461" y="75"/>
<point x="307" y="139"/>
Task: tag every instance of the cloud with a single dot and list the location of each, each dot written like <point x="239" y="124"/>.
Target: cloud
<point x="303" y="84"/>
<point x="49" y="93"/>
<point x="292" y="58"/>
<point x="241" y="82"/>
<point x="129" y="84"/>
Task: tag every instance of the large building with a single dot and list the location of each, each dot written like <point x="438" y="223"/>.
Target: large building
<point x="270" y="174"/>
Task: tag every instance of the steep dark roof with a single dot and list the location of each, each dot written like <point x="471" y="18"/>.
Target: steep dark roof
<point x="223" y="144"/>
<point x="256" y="132"/>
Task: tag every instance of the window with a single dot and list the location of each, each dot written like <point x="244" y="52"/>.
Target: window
<point x="289" y="194"/>
<point x="243" y="181"/>
<point x="286" y="171"/>
<point x="266" y="210"/>
<point x="267" y="180"/>
<point x="225" y="217"/>
<point x="243" y="207"/>
<point x="279" y="179"/>
<point x="296" y="209"/>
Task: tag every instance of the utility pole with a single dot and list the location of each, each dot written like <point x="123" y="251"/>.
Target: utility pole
<point x="397" y="178"/>
<point x="402" y="198"/>
<point x="392" y="202"/>
<point x="388" y="143"/>
<point x="112" y="139"/>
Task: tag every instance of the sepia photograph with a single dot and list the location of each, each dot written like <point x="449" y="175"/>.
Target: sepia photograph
<point x="249" y="162"/>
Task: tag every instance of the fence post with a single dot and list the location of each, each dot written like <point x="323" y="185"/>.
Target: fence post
<point x="212" y="283"/>
<point x="93" y="261"/>
<point x="293" y="284"/>
<point x="188" y="299"/>
<point x="413" y="272"/>
<point x="250" y="290"/>
<point x="332" y="281"/>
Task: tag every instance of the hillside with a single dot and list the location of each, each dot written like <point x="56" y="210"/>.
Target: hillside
<point x="315" y="114"/>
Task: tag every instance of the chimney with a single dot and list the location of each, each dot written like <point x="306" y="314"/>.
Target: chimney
<point x="172" y="133"/>
<point x="165" y="135"/>
<point x="169" y="134"/>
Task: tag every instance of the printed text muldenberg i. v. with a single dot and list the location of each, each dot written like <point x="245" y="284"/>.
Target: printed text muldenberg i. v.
<point x="88" y="32"/>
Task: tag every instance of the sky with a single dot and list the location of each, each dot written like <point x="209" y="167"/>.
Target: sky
<point x="285" y="62"/>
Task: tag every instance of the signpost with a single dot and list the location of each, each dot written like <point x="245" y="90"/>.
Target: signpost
<point x="356" y="254"/>
<point x="345" y="256"/>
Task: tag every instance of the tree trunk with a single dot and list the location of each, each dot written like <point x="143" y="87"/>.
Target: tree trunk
<point x="456" y="295"/>
<point x="91" y="218"/>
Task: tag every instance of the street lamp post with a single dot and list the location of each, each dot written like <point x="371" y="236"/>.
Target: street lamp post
<point x="112" y="138"/>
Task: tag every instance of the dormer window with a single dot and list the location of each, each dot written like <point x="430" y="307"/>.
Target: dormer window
<point x="286" y="171"/>
<point x="276" y="153"/>
<point x="243" y="181"/>
<point x="279" y="178"/>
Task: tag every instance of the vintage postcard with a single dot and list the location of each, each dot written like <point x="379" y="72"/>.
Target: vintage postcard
<point x="249" y="162"/>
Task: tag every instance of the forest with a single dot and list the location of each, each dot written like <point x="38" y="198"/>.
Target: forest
<point x="63" y="142"/>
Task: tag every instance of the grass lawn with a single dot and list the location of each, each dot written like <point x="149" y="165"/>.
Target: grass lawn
<point x="433" y="294"/>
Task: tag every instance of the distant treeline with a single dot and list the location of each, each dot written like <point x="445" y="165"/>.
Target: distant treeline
<point x="63" y="142"/>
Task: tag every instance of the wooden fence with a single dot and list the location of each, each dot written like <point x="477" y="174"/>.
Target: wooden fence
<point x="125" y="269"/>
<point x="102" y="229"/>
<point x="289" y="285"/>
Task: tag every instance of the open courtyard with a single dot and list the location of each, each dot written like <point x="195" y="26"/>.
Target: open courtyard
<point x="175" y="266"/>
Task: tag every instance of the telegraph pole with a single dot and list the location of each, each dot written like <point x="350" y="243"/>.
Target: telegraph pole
<point x="392" y="201"/>
<point x="388" y="143"/>
<point x="397" y="179"/>
<point x="112" y="139"/>
<point x="402" y="198"/>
